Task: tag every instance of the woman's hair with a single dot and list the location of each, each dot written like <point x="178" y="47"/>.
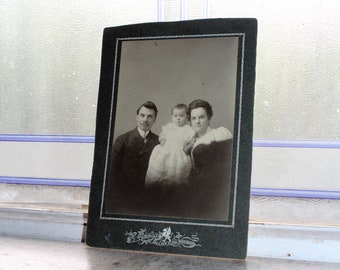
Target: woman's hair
<point x="180" y="106"/>
<point x="199" y="103"/>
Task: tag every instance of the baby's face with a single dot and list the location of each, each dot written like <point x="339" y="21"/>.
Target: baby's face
<point x="179" y="117"/>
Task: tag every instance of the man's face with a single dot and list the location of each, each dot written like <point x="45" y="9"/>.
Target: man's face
<point x="145" y="118"/>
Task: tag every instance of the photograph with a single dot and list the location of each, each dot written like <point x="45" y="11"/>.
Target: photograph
<point x="173" y="128"/>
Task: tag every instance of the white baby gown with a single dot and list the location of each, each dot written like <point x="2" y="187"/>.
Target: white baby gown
<point x="169" y="163"/>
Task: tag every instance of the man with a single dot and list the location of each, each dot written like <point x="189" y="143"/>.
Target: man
<point x="129" y="163"/>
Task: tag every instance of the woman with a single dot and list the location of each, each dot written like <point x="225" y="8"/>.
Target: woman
<point x="211" y="155"/>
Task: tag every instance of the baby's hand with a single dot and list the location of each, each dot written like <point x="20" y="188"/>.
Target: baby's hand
<point x="162" y="142"/>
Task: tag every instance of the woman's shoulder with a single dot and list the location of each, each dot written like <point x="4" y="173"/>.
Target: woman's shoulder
<point x="215" y="135"/>
<point x="221" y="134"/>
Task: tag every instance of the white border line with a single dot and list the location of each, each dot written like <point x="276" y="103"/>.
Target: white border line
<point x="238" y="137"/>
<point x="239" y="130"/>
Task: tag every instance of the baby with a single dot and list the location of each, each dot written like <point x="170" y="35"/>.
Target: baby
<point x="169" y="164"/>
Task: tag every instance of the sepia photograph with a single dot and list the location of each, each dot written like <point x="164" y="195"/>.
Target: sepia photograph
<point x="173" y="128"/>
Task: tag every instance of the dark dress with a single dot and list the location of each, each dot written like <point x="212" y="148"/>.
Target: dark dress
<point x="210" y="181"/>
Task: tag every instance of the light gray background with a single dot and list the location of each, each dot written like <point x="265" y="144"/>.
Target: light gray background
<point x="174" y="71"/>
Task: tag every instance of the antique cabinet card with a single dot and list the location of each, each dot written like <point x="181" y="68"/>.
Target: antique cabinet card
<point x="173" y="145"/>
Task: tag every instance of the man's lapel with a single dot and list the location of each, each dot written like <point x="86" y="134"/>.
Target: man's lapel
<point x="149" y="143"/>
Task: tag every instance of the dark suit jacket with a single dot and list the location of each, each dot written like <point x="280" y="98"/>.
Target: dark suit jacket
<point x="129" y="163"/>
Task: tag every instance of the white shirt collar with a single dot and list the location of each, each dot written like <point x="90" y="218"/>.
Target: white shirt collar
<point x="143" y="133"/>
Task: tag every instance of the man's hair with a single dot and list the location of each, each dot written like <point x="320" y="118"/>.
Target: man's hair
<point x="180" y="106"/>
<point x="149" y="105"/>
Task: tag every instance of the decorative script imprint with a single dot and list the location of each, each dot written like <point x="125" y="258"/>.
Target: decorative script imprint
<point x="163" y="238"/>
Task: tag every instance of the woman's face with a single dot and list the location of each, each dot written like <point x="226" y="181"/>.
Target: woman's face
<point x="199" y="120"/>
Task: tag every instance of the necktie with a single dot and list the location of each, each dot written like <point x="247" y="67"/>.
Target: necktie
<point x="145" y="137"/>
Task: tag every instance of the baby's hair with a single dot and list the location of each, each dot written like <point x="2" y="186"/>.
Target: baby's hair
<point x="180" y="106"/>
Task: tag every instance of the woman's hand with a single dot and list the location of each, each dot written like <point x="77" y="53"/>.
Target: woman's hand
<point x="189" y="144"/>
